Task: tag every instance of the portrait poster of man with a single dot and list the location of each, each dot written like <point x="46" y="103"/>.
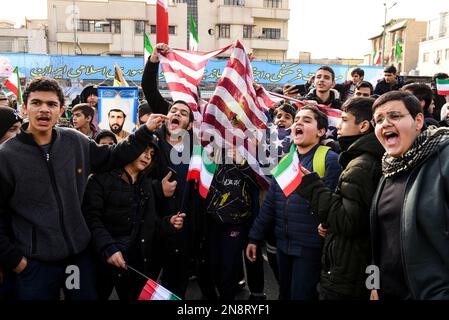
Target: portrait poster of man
<point x="117" y="109"/>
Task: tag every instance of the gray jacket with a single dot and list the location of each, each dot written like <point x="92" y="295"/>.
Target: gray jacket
<point x="41" y="193"/>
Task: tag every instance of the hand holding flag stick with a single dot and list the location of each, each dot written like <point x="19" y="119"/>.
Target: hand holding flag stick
<point x="159" y="48"/>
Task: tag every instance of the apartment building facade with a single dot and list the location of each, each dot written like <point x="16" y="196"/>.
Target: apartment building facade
<point x="405" y="33"/>
<point x="116" y="27"/>
<point x="434" y="49"/>
<point x="26" y="39"/>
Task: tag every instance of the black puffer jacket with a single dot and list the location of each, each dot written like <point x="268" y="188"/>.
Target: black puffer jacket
<point x="346" y="251"/>
<point x="121" y="215"/>
<point x="383" y="87"/>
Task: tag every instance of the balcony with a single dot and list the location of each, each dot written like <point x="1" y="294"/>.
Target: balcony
<point x="270" y="13"/>
<point x="85" y="37"/>
<point x="268" y="44"/>
<point x="234" y="15"/>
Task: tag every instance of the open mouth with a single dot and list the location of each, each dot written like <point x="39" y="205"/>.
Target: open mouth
<point x="174" y="123"/>
<point x="281" y="126"/>
<point x="298" y="132"/>
<point x="391" y="137"/>
<point x="143" y="163"/>
<point x="43" y="121"/>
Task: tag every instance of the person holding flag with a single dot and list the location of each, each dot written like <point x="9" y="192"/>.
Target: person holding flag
<point x="345" y="212"/>
<point x="298" y="242"/>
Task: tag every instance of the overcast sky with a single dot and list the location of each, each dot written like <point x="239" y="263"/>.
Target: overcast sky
<point x="326" y="28"/>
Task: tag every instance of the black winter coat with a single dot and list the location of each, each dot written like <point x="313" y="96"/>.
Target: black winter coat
<point x="346" y="252"/>
<point x="121" y="215"/>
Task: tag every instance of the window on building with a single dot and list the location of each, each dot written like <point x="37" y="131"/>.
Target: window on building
<point x="247" y="31"/>
<point x="272" y="3"/>
<point x="224" y="30"/>
<point x="115" y="26"/>
<point x="153" y="29"/>
<point x="102" y="26"/>
<point x="139" y="27"/>
<point x="171" y="29"/>
<point x="271" y="33"/>
<point x="6" y="44"/>
<point x="446" y="54"/>
<point x="425" y="57"/>
<point x="234" y="2"/>
<point x="82" y="25"/>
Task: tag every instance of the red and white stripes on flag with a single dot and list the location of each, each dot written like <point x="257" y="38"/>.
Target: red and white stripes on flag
<point x="162" y="21"/>
<point x="237" y="112"/>
<point x="183" y="71"/>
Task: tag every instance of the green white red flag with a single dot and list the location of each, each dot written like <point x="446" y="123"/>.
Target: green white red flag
<point x="154" y="291"/>
<point x="202" y="169"/>
<point x="287" y="173"/>
<point x="443" y="87"/>
<point x="13" y="85"/>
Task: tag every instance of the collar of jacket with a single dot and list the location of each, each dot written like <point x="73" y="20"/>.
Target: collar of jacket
<point x="27" y="138"/>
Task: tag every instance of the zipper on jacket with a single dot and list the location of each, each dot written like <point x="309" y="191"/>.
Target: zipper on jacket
<point x="59" y="201"/>
<point x="286" y="225"/>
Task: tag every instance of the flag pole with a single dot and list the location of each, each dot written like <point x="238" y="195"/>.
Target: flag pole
<point x="137" y="271"/>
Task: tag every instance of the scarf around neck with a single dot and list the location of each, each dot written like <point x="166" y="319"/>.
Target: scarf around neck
<point x="423" y="146"/>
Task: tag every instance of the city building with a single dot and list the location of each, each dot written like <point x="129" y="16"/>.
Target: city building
<point x="26" y="39"/>
<point x="402" y="37"/>
<point x="434" y="49"/>
<point x="116" y="27"/>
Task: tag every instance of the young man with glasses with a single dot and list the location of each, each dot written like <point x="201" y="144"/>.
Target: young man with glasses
<point x="409" y="214"/>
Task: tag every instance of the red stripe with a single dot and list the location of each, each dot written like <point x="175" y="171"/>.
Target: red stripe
<point x="179" y="87"/>
<point x="189" y="64"/>
<point x="228" y="85"/>
<point x="180" y="73"/>
<point x="161" y="24"/>
<point x="8" y="84"/>
<point x="295" y="184"/>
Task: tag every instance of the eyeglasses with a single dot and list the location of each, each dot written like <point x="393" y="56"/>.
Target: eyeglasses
<point x="391" y="116"/>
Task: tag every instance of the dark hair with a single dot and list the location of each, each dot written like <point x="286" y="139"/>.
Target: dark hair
<point x="187" y="105"/>
<point x="286" y="107"/>
<point x="365" y="84"/>
<point x="439" y="75"/>
<point x="422" y="91"/>
<point x="358" y="71"/>
<point x="117" y="110"/>
<point x="390" y="69"/>
<point x="85" y="109"/>
<point x="361" y="108"/>
<point x="410" y="101"/>
<point x="320" y="117"/>
<point x="105" y="133"/>
<point x="44" y="84"/>
<point x="328" y="69"/>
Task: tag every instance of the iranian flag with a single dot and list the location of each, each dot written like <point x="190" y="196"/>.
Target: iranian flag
<point x="287" y="173"/>
<point x="147" y="48"/>
<point x="443" y="87"/>
<point x="154" y="291"/>
<point x="193" y="41"/>
<point x="162" y="21"/>
<point x="202" y="169"/>
<point x="13" y="85"/>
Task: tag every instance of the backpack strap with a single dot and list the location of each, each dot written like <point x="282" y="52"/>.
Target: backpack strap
<point x="319" y="160"/>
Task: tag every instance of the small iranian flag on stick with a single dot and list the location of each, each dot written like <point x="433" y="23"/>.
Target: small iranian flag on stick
<point x="154" y="291"/>
<point x="13" y="85"/>
<point x="443" y="87"/>
<point x="147" y="48"/>
<point x="287" y="173"/>
<point x="202" y="169"/>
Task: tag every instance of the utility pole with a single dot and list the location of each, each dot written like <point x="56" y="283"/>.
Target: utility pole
<point x="385" y="30"/>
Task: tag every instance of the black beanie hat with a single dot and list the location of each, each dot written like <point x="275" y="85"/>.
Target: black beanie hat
<point x="105" y="133"/>
<point x="144" y="108"/>
<point x="8" y="116"/>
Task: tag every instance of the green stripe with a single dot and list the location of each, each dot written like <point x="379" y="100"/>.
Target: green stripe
<point x="147" y="44"/>
<point x="285" y="162"/>
<point x="442" y="81"/>
<point x="193" y="30"/>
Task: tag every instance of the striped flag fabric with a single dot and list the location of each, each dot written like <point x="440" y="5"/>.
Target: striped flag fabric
<point x="288" y="174"/>
<point x="119" y="80"/>
<point x="443" y="87"/>
<point x="154" y="291"/>
<point x="202" y="169"/>
<point x="13" y="85"/>
<point x="147" y="48"/>
<point x="162" y="21"/>
<point x="237" y="112"/>
<point x="193" y="40"/>
<point x="183" y="72"/>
